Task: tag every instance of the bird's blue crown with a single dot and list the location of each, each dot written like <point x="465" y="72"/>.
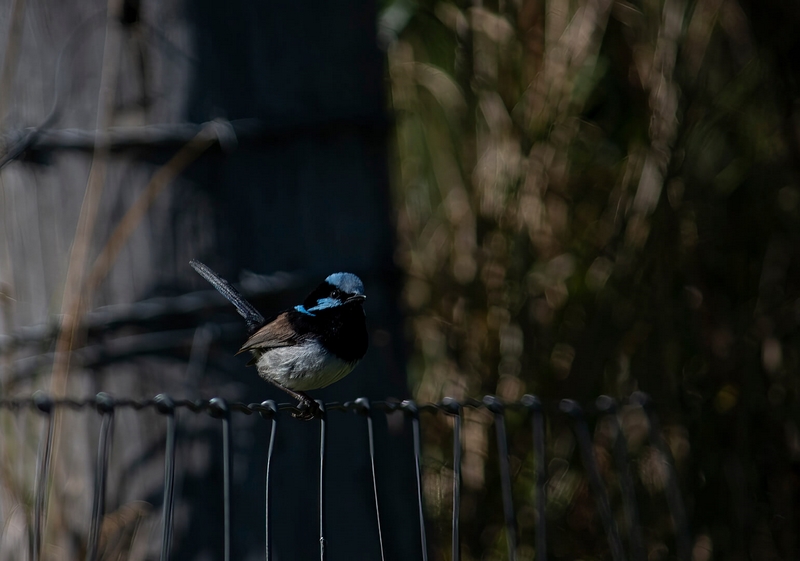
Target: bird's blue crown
<point x="344" y="282"/>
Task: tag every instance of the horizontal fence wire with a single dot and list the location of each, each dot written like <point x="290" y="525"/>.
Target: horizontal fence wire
<point x="219" y="408"/>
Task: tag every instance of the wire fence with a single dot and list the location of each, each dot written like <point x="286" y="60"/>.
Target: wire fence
<point x="536" y="411"/>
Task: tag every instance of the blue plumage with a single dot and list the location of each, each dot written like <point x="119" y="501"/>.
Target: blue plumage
<point x="310" y="346"/>
<point x="346" y="282"/>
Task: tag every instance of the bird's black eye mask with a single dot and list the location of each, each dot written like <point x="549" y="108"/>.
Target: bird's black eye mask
<point x="322" y="292"/>
<point x="324" y="297"/>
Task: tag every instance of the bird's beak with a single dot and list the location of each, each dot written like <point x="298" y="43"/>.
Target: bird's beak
<point x="356" y="298"/>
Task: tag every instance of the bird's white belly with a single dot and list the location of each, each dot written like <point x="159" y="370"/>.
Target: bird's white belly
<point x="307" y="366"/>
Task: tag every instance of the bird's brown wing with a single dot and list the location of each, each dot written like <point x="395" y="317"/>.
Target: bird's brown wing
<point x="277" y="333"/>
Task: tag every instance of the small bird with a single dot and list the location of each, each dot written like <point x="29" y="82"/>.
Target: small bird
<point x="310" y="346"/>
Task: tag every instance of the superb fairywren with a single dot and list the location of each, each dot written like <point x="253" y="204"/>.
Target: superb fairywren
<point x="309" y="346"/>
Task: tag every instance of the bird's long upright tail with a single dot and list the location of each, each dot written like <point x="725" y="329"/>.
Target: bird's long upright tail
<point x="252" y="318"/>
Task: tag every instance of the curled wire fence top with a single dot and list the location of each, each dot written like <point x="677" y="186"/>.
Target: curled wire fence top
<point x="218" y="406"/>
<point x="535" y="408"/>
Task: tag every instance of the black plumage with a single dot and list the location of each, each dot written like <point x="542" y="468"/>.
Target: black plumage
<point x="309" y="346"/>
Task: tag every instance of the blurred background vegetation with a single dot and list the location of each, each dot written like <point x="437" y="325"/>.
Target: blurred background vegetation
<point x="596" y="197"/>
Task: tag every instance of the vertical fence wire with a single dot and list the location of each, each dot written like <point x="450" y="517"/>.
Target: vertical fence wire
<point x="683" y="542"/>
<point x="412" y="410"/>
<point x="608" y="406"/>
<point x="105" y="405"/>
<point x="362" y="406"/>
<point x="269" y="411"/>
<point x="45" y="405"/>
<point x="219" y="409"/>
<point x="534" y="405"/>
<point x="322" y="434"/>
<point x="228" y="475"/>
<point x="454" y="408"/>
<point x="595" y="481"/>
<point x="496" y="407"/>
<point x="166" y="406"/>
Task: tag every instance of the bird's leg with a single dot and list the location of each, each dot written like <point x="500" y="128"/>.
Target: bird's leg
<point x="308" y="408"/>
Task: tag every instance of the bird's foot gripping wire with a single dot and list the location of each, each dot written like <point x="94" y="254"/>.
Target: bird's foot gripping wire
<point x="307" y="409"/>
